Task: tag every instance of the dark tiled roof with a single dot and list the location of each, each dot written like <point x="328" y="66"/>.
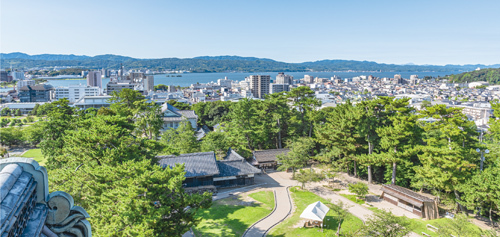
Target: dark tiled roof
<point x="17" y="190"/>
<point x="232" y="155"/>
<point x="404" y="193"/>
<point x="269" y="155"/>
<point x="196" y="164"/>
<point x="202" y="132"/>
<point x="235" y="167"/>
<point x="188" y="113"/>
<point x="39" y="87"/>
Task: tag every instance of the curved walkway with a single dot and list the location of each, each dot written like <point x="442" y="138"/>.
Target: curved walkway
<point x="282" y="209"/>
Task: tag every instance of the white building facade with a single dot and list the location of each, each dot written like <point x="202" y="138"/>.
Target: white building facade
<point x="76" y="92"/>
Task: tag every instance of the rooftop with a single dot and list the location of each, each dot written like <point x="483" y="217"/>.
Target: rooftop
<point x="404" y="193"/>
<point x="196" y="164"/>
<point x="235" y="168"/>
<point x="269" y="155"/>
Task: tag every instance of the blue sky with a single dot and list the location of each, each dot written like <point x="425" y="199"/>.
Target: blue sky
<point x="420" y="32"/>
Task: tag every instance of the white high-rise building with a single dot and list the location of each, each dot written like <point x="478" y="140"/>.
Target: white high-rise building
<point x="259" y="85"/>
<point x="225" y="82"/>
<point x="276" y="88"/>
<point x="17" y="75"/>
<point x="281" y="78"/>
<point x="149" y="83"/>
<point x="308" y="79"/>
<point x="94" y="78"/>
<point x="76" y="92"/>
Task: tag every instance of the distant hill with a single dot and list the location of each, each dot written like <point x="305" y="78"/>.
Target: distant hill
<point x="491" y="75"/>
<point x="214" y="64"/>
<point x="48" y="57"/>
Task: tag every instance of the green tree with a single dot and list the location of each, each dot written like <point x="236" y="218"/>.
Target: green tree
<point x="181" y="140"/>
<point x="307" y="176"/>
<point x="483" y="191"/>
<point x="33" y="134"/>
<point x="161" y="87"/>
<point x="59" y="120"/>
<point x="3" y="152"/>
<point x="425" y="104"/>
<point x="148" y="120"/>
<point x="242" y="127"/>
<point x="34" y="110"/>
<point x="216" y="142"/>
<point x="448" y="156"/>
<point x="126" y="101"/>
<point x="341" y="210"/>
<point x="211" y="113"/>
<point x="400" y="137"/>
<point x="383" y="223"/>
<point x="114" y="176"/>
<point x="5" y="111"/>
<point x="359" y="188"/>
<point x="459" y="226"/>
<point x="277" y="114"/>
<point x="338" y="135"/>
<point x="298" y="156"/>
<point x="179" y="105"/>
<point x="305" y="104"/>
<point x="11" y="136"/>
<point x="372" y="117"/>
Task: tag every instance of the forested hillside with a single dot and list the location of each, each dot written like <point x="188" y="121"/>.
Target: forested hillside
<point x="215" y="64"/>
<point x="491" y="75"/>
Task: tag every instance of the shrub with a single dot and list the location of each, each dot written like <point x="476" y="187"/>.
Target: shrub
<point x="359" y="188"/>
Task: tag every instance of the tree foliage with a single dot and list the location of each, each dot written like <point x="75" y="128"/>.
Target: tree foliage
<point x="383" y="223"/>
<point x="359" y="188"/>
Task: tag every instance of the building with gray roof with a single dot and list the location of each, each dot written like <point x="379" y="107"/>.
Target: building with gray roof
<point x="36" y="93"/>
<point x="268" y="158"/>
<point x="172" y="116"/>
<point x="411" y="201"/>
<point x="204" y="172"/>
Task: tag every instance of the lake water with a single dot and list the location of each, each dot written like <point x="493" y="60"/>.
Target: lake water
<point x="192" y="78"/>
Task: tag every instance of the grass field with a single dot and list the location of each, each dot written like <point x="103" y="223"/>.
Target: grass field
<point x="36" y="154"/>
<point x="232" y="216"/>
<point x="302" y="199"/>
<point x="418" y="226"/>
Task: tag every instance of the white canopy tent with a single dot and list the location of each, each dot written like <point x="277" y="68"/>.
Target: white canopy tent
<point x="316" y="212"/>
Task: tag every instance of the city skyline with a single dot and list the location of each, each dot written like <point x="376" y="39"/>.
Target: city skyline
<point x="438" y="33"/>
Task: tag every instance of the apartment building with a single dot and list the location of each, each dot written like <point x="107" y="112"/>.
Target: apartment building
<point x="259" y="85"/>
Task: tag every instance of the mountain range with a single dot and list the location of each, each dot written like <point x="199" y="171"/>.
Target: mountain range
<point x="214" y="63"/>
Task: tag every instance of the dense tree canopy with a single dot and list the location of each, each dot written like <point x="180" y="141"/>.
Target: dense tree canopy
<point x="384" y="140"/>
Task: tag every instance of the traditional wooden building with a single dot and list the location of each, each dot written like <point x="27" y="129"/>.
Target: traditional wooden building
<point x="205" y="173"/>
<point x="268" y="158"/>
<point x="200" y="170"/>
<point x="234" y="171"/>
<point x="411" y="201"/>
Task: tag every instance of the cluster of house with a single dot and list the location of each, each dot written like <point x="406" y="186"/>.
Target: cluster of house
<point x="473" y="97"/>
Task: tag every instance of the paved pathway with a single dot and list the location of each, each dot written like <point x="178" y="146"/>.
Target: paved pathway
<point x="283" y="208"/>
<point x="357" y="210"/>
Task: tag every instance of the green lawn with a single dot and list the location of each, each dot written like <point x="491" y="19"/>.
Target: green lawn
<point x="419" y="225"/>
<point x="302" y="199"/>
<point x="266" y="198"/>
<point x="232" y="216"/>
<point x="353" y="198"/>
<point x="36" y="154"/>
